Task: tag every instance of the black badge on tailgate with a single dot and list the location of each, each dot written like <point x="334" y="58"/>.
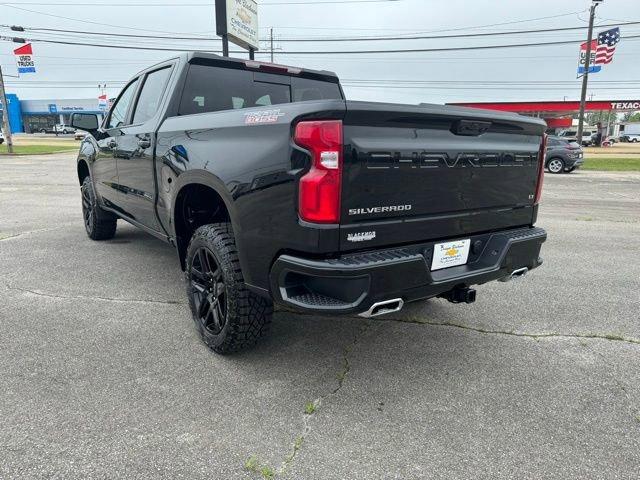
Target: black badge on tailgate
<point x="470" y="128"/>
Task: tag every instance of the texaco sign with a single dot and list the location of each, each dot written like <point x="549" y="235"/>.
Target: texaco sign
<point x="631" y="105"/>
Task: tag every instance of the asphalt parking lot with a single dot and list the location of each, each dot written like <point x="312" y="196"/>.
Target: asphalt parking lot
<point x="102" y="374"/>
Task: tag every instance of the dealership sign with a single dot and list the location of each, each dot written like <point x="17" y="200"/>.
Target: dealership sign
<point x="24" y="59"/>
<point x="238" y="20"/>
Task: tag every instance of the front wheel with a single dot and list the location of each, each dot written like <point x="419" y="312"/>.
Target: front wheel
<point x="555" y="165"/>
<point x="99" y="224"/>
<point x="42" y="130"/>
<point x="227" y="315"/>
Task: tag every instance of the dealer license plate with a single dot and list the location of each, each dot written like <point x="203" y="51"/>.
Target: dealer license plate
<point x="450" y="254"/>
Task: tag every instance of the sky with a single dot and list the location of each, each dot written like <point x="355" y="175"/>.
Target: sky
<point x="531" y="73"/>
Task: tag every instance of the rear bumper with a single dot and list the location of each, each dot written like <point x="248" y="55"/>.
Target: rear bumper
<point x="354" y="282"/>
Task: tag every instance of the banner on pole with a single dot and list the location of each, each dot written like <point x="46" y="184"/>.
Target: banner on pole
<point x="103" y="102"/>
<point x="602" y="50"/>
<point x="24" y="59"/>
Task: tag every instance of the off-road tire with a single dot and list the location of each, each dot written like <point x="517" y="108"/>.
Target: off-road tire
<point x="246" y="317"/>
<point x="99" y="224"/>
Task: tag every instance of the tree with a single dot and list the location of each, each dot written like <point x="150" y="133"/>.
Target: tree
<point x="603" y="117"/>
<point x="631" y="117"/>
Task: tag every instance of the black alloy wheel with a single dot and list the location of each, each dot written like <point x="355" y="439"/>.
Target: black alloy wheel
<point x="88" y="206"/>
<point x="209" y="290"/>
<point x="99" y="224"/>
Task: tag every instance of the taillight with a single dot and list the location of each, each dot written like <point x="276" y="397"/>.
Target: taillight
<point x="319" y="200"/>
<point x="542" y="153"/>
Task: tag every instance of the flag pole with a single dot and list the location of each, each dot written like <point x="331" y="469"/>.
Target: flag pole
<point x="585" y="77"/>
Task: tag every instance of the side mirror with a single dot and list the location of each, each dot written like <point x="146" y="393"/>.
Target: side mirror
<point x="85" y="121"/>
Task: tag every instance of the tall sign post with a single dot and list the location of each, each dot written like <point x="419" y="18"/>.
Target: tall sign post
<point x="587" y="62"/>
<point x="237" y="22"/>
<point x="5" y="115"/>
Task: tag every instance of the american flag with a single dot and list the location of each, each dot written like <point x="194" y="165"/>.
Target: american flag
<point x="607" y="41"/>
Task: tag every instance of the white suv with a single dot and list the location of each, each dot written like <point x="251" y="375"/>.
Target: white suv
<point x="64" y="129"/>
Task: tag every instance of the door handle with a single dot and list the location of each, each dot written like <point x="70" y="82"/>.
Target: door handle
<point x="144" y="143"/>
<point x="112" y="143"/>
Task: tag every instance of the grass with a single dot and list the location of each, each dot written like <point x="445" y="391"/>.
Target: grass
<point x="253" y="465"/>
<point x="617" y="164"/>
<point x="37" y="149"/>
<point x="309" y="408"/>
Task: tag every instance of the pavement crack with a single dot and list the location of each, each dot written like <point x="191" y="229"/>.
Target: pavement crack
<point x="346" y="365"/>
<point x="253" y="463"/>
<point x="598" y="336"/>
<point x="4" y="237"/>
<point x="92" y="297"/>
<point x="614" y="337"/>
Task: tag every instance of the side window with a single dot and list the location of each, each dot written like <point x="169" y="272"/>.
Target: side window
<point x="151" y="95"/>
<point x="118" y="114"/>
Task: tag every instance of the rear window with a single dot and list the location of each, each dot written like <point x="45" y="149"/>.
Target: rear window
<point x="212" y="89"/>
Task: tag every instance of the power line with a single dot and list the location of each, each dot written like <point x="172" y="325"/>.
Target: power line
<point x="439" y="37"/>
<point x="512" y="22"/>
<point x="334" y="39"/>
<point x="334" y="52"/>
<point x="8" y="4"/>
<point x="87" y="21"/>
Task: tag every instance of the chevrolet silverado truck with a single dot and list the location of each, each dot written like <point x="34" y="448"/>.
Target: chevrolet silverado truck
<point x="274" y="188"/>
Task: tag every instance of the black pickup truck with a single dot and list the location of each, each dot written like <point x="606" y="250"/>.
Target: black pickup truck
<point x="274" y="188"/>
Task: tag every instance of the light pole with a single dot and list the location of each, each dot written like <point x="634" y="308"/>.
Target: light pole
<point x="587" y="63"/>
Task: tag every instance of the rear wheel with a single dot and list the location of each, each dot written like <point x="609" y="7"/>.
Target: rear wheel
<point x="227" y="315"/>
<point x="99" y="224"/>
<point x="555" y="165"/>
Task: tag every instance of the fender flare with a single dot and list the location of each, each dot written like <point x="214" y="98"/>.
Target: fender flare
<point x="208" y="179"/>
<point x="87" y="154"/>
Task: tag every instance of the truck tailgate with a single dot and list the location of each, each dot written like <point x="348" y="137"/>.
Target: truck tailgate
<point x="422" y="173"/>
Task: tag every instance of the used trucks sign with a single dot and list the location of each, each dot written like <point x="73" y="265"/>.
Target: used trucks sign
<point x="238" y="19"/>
<point x="24" y="59"/>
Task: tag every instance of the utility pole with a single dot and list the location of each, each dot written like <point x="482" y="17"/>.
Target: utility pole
<point x="5" y="115"/>
<point x="271" y="42"/>
<point x="587" y="63"/>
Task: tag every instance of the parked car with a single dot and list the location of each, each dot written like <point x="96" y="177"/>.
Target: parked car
<point x="630" y="137"/>
<point x="58" y="128"/>
<point x="1" y="137"/>
<point x="563" y="155"/>
<point x="274" y="188"/>
<point x="572" y="136"/>
<point x="64" y="129"/>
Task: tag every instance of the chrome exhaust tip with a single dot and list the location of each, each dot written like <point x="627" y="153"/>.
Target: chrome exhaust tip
<point x="382" y="308"/>
<point x="520" y="272"/>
